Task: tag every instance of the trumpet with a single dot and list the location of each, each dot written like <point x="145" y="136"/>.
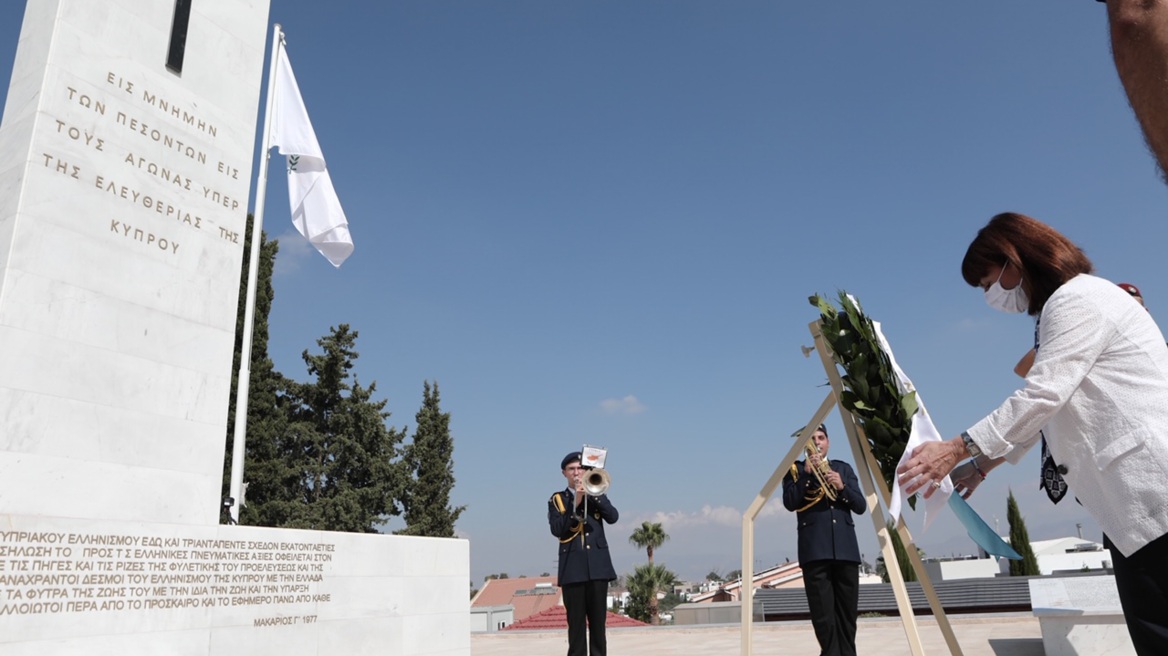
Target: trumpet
<point x="596" y="481"/>
<point x="821" y="470"/>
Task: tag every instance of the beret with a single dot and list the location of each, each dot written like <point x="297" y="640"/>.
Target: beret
<point x="1130" y="288"/>
<point x="569" y="459"/>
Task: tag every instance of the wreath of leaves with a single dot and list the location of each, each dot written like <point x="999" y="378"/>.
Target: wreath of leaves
<point x="870" y="391"/>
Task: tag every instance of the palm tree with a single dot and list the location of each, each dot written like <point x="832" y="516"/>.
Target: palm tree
<point x="649" y="536"/>
<point x="644" y="584"/>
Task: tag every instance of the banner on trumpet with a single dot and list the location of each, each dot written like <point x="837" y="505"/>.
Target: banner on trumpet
<point x="596" y="479"/>
<point x="593" y="456"/>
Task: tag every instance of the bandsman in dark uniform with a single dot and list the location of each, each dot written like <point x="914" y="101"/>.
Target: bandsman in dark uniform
<point x="824" y="494"/>
<point x="577" y="520"/>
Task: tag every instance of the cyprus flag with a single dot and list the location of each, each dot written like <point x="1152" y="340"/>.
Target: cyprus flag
<point x="316" y="210"/>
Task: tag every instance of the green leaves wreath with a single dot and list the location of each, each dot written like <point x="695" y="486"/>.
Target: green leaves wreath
<point x="870" y="391"/>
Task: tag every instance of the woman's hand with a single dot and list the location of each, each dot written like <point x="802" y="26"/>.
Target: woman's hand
<point x="965" y="479"/>
<point x="929" y="464"/>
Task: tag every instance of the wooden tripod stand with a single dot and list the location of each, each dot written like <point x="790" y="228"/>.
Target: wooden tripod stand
<point x="872" y="482"/>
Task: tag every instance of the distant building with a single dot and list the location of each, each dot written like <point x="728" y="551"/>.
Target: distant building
<point x="502" y="602"/>
<point x="1066" y="555"/>
<point x="962" y="567"/>
<point x="526" y="596"/>
<point x="787" y="575"/>
<point x="1057" y="556"/>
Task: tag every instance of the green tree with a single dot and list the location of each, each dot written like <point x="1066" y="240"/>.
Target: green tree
<point x="350" y="472"/>
<point x="906" y="569"/>
<point x="1020" y="540"/>
<point x="649" y="536"/>
<point x="430" y="459"/>
<point x="264" y="465"/>
<point x="670" y="601"/>
<point x="714" y="576"/>
<point x="643" y="585"/>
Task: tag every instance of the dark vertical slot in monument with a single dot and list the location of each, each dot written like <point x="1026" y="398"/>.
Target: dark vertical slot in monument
<point x="178" y="35"/>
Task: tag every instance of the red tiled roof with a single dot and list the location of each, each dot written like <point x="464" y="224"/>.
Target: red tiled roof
<point x="507" y="592"/>
<point x="556" y="617"/>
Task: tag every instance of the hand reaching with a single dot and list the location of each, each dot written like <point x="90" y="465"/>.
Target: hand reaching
<point x="965" y="479"/>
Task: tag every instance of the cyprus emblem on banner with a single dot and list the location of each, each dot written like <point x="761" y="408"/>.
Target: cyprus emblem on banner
<point x="316" y="210"/>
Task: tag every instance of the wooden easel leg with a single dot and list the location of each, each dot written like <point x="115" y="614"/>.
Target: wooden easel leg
<point x="746" y="594"/>
<point x="871" y="479"/>
<point x="910" y="548"/>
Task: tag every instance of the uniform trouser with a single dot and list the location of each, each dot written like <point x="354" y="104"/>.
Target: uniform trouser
<point x="1142" y="581"/>
<point x="588" y="600"/>
<point x="833" y="596"/>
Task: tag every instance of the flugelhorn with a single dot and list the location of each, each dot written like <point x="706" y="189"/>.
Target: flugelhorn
<point x="821" y="470"/>
<point x="596" y="481"/>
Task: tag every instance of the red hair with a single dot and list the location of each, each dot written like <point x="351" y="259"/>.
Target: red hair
<point x="1046" y="258"/>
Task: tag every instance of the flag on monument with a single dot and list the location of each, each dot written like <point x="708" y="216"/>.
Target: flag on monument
<point x="316" y="210"/>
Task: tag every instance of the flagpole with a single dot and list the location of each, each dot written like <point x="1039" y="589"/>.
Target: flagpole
<point x="239" y="439"/>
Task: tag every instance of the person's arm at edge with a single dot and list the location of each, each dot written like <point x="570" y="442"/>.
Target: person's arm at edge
<point x="1139" y="45"/>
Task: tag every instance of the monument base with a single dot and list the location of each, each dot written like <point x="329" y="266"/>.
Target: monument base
<point x="75" y="586"/>
<point x="1080" y="615"/>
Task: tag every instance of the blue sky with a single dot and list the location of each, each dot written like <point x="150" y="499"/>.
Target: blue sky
<point x="599" y="222"/>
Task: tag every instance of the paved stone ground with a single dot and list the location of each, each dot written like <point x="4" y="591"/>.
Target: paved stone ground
<point x="978" y="635"/>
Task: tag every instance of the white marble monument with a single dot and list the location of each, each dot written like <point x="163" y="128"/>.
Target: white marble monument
<point x="125" y="159"/>
<point x="1080" y="615"/>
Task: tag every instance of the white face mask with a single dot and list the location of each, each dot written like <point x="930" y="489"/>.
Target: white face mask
<point x="1012" y="301"/>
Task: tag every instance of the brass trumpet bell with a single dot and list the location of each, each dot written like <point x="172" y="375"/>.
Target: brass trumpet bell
<point x="596" y="482"/>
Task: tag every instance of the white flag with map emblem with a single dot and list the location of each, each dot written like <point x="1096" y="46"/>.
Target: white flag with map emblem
<point x="316" y="210"/>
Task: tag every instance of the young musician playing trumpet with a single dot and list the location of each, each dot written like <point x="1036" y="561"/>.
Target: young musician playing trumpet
<point x="824" y="494"/>
<point x="577" y="520"/>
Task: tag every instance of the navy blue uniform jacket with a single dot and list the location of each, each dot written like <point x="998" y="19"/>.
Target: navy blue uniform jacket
<point x="583" y="547"/>
<point x="826" y="529"/>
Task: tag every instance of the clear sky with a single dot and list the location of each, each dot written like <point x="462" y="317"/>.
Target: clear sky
<point x="599" y="222"/>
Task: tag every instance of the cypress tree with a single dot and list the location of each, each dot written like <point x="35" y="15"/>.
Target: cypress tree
<point x="430" y="458"/>
<point x="906" y="569"/>
<point x="1020" y="540"/>
<point x="350" y="472"/>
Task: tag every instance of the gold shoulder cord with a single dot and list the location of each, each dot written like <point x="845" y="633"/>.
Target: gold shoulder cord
<point x="559" y="503"/>
<point x="812" y="498"/>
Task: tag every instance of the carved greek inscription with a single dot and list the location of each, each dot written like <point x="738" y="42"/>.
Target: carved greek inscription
<point x="143" y="236"/>
<point x="160" y="137"/>
<point x="121" y="125"/>
<point x="85" y="100"/>
<point x="61" y="573"/>
<point x="80" y="134"/>
<point x="62" y="167"/>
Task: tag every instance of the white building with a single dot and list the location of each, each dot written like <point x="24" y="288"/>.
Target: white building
<point x="1056" y="556"/>
<point x="1066" y="555"/>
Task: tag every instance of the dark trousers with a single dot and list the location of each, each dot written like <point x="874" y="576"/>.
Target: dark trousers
<point x="586" y="601"/>
<point x="1142" y="580"/>
<point x="833" y="596"/>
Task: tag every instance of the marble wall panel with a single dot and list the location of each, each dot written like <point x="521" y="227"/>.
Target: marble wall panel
<point x="122" y="255"/>
<point x="225" y="590"/>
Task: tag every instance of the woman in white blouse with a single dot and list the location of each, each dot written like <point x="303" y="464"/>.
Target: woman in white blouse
<point x="1098" y="391"/>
